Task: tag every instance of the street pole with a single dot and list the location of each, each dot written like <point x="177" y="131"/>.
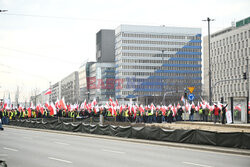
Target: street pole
<point x="209" y="64"/>
<point x="50" y="96"/>
<point x="162" y="87"/>
<point x="154" y="85"/>
<point x="247" y="75"/>
<point x="136" y="83"/>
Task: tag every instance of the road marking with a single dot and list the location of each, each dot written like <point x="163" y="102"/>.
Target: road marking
<point x="119" y="152"/>
<point x="11" y="149"/>
<point x="27" y="137"/>
<point x="190" y="163"/>
<point x="66" y="144"/>
<point x="4" y="134"/>
<point x="211" y="151"/>
<point x="61" y="160"/>
<point x="3" y="155"/>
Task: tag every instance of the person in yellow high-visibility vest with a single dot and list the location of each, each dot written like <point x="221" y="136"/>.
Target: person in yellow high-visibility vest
<point x="201" y="114"/>
<point x="138" y="118"/>
<point x="150" y="116"/>
<point x="126" y="116"/>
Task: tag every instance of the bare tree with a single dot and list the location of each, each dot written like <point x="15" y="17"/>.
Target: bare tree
<point x="35" y="92"/>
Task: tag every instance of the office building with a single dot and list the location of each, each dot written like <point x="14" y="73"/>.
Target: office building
<point x="156" y="63"/>
<point x="70" y="88"/>
<point x="83" y="80"/>
<point x="229" y="51"/>
<point x="101" y="82"/>
<point x="55" y="92"/>
<point x="105" y="46"/>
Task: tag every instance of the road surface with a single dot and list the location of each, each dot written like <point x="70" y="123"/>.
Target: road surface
<point x="28" y="148"/>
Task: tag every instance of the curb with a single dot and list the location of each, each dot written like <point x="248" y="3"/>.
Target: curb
<point x="212" y="124"/>
<point x="160" y="143"/>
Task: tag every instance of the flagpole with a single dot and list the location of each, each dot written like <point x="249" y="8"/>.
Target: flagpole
<point x="51" y="91"/>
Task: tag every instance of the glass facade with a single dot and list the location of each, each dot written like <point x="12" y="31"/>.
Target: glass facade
<point x="101" y="82"/>
<point x="153" y="61"/>
<point x="83" y="81"/>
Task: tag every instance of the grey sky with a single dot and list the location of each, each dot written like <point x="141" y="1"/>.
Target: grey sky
<point x="55" y="36"/>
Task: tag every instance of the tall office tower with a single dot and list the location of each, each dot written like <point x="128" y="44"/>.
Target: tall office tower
<point x="157" y="63"/>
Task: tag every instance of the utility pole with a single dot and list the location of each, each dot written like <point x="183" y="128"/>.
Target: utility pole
<point x="162" y="81"/>
<point x="247" y="77"/>
<point x="209" y="64"/>
<point x="50" y="95"/>
<point x="17" y="97"/>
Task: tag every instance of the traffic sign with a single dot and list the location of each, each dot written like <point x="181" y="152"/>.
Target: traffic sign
<point x="191" y="89"/>
<point x="191" y="96"/>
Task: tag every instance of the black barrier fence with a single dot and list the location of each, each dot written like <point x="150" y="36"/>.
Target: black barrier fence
<point x="235" y="140"/>
<point x="63" y="119"/>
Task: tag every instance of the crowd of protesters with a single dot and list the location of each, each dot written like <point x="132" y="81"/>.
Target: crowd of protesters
<point x="137" y="115"/>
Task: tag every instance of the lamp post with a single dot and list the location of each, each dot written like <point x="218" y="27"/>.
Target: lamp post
<point x="247" y="77"/>
<point x="209" y="64"/>
<point x="162" y="81"/>
<point x="155" y="68"/>
<point x="136" y="86"/>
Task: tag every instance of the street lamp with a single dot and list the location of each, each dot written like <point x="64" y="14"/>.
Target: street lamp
<point x="136" y="87"/>
<point x="247" y="77"/>
<point x="209" y="64"/>
<point x="154" y="85"/>
<point x="162" y="81"/>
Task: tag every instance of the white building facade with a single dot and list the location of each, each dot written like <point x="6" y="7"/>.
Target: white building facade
<point x="229" y="51"/>
<point x="55" y="92"/>
<point x="70" y="88"/>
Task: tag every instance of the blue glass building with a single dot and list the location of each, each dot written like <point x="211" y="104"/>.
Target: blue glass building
<point x="156" y="63"/>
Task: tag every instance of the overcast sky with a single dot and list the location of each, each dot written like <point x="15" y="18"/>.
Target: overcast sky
<point x="43" y="41"/>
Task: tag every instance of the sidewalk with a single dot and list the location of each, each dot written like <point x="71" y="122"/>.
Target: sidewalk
<point x="209" y="126"/>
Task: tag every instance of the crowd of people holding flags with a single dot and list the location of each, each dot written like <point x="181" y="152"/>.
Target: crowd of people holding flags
<point x="122" y="113"/>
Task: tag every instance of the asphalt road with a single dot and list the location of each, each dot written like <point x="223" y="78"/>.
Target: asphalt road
<point x="28" y="148"/>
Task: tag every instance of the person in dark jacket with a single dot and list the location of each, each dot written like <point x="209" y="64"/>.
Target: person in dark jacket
<point x="39" y="115"/>
<point x="179" y="114"/>
<point x="223" y="114"/>
<point x="1" y="116"/>
<point x="191" y="115"/>
<point x="170" y="116"/>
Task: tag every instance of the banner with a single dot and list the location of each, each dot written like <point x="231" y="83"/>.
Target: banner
<point x="229" y="117"/>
